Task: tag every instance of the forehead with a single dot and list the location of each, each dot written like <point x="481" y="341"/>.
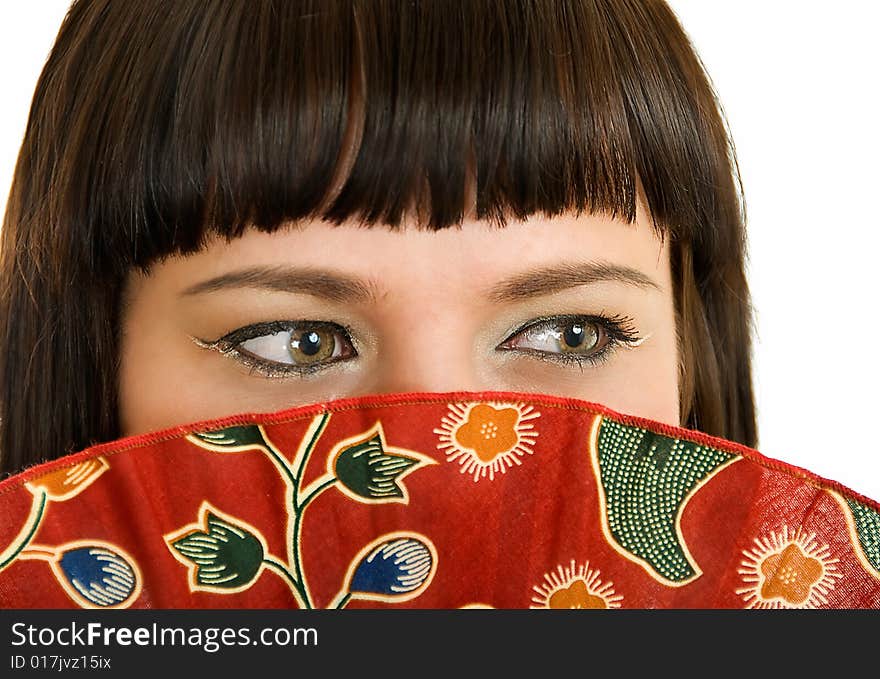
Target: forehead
<point x="475" y="257"/>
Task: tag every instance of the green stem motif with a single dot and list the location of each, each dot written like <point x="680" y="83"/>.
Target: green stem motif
<point x="297" y="558"/>
<point x="284" y="572"/>
<point x="38" y="509"/>
<point x="342" y="602"/>
<point x="302" y="457"/>
<point x="281" y="463"/>
<point x="316" y="492"/>
<point x="298" y="508"/>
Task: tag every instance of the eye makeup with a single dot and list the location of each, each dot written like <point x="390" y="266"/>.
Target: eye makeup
<point x="612" y="333"/>
<point x="332" y="343"/>
<point x="301" y="334"/>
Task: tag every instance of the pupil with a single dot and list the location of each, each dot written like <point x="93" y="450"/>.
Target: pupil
<point x="574" y="335"/>
<point x="310" y="343"/>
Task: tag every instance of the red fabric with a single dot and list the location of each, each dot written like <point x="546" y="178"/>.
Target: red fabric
<point x="535" y="531"/>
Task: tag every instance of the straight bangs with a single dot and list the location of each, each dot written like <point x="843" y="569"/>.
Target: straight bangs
<point x="191" y="119"/>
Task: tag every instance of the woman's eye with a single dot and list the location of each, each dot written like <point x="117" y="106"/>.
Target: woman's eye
<point x="573" y="338"/>
<point x="302" y="347"/>
<point x="558" y="337"/>
<point x="280" y="347"/>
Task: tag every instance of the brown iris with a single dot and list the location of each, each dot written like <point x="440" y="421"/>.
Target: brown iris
<point x="578" y="337"/>
<point x="312" y="345"/>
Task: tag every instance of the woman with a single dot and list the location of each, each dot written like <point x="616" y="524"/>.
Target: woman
<point x="185" y="239"/>
<point x="513" y="228"/>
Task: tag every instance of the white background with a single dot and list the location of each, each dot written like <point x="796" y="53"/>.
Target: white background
<point x="798" y="82"/>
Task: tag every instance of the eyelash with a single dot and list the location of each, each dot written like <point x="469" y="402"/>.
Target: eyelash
<point x="228" y="345"/>
<point x="619" y="331"/>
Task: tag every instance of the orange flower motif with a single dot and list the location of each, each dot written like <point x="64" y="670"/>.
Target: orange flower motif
<point x="575" y="586"/>
<point x="785" y="570"/>
<point x="576" y="595"/>
<point x="487" y="439"/>
<point x="489" y="431"/>
<point x="65" y="483"/>
<point x="790" y="575"/>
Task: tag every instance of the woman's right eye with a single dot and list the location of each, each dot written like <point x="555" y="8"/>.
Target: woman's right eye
<point x="282" y="347"/>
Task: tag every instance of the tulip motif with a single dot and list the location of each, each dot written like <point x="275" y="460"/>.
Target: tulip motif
<point x="231" y="439"/>
<point x="371" y="471"/>
<point x="63" y="484"/>
<point x="222" y="555"/>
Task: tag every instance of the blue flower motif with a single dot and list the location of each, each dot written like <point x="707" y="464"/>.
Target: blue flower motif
<point x="101" y="576"/>
<point x="394" y="570"/>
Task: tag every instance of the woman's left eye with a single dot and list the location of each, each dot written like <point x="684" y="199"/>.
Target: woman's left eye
<point x="580" y="339"/>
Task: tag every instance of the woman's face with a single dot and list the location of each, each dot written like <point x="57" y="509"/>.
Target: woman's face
<point x="571" y="306"/>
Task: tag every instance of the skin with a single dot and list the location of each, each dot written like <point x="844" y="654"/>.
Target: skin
<point x="432" y="311"/>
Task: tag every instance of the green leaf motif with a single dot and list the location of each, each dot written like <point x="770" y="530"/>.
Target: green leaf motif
<point x="647" y="479"/>
<point x="230" y="439"/>
<point x="226" y="556"/>
<point x="368" y="471"/>
<point x="867" y="525"/>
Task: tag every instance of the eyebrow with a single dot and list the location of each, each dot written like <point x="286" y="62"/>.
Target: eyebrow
<point x="336" y="287"/>
<point x="547" y="280"/>
<point x="315" y="282"/>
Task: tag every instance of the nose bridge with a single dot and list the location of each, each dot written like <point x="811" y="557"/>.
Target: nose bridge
<point x="430" y="354"/>
<point x="428" y="324"/>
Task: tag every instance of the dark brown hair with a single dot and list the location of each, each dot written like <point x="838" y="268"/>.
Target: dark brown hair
<point x="157" y="123"/>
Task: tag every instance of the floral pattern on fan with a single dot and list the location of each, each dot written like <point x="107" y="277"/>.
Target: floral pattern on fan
<point x="223" y="554"/>
<point x="338" y="505"/>
<point x="487" y="438"/>
<point x="788" y="571"/>
<point x="94" y="574"/>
